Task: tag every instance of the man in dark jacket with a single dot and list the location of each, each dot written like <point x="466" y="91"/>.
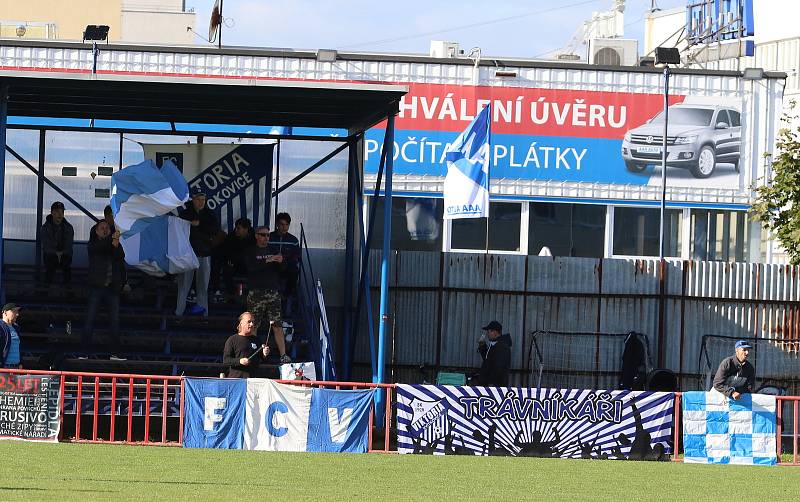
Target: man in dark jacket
<point x="496" y="354"/>
<point x="735" y="375"/>
<point x="283" y="243"/>
<point x="9" y="338"/>
<point x="205" y="227"/>
<point x="106" y="260"/>
<point x="57" y="237"/>
<point x="232" y="251"/>
<point x="241" y="353"/>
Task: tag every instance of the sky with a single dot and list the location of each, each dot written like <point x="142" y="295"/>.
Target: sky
<point x="507" y="28"/>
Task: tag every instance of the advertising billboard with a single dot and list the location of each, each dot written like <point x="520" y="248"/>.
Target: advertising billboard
<point x="572" y="135"/>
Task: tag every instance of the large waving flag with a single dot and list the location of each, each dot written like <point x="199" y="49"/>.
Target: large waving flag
<point x="142" y="195"/>
<point x="466" y="187"/>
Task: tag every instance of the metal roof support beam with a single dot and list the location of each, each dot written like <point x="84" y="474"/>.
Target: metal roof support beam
<point x="349" y="254"/>
<point x="383" y="323"/>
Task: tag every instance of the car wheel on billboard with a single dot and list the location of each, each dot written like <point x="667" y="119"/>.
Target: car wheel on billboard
<point x="634" y="167"/>
<point x="706" y="161"/>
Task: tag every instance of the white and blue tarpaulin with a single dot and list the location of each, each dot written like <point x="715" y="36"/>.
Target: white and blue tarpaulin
<point x="567" y="423"/>
<point x="721" y="430"/>
<point x="260" y="414"/>
<point x="466" y="186"/>
<point x="142" y="196"/>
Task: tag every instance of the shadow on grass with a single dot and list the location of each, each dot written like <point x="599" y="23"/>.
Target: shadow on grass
<point x="144" y="481"/>
<point x="34" y="489"/>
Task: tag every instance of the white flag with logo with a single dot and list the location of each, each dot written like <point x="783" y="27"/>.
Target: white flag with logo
<point x="466" y="187"/>
<point x="276" y="416"/>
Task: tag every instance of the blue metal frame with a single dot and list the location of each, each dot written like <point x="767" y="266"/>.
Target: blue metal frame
<point x="3" y="119"/>
<point x="387" y="239"/>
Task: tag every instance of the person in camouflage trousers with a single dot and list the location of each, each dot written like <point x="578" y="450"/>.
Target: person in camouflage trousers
<point x="263" y="280"/>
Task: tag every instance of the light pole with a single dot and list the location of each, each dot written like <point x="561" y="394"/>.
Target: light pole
<point x="665" y="56"/>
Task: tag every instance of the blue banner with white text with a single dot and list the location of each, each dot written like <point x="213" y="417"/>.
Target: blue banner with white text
<point x="261" y="414"/>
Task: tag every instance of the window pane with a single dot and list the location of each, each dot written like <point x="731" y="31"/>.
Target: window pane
<point x="416" y="224"/>
<point x="504" y="228"/>
<point x="567" y="229"/>
<point x="636" y="231"/>
<point x="719" y="235"/>
<point x="19" y="205"/>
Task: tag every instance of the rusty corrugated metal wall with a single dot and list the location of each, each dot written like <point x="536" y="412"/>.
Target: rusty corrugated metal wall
<point x="439" y="301"/>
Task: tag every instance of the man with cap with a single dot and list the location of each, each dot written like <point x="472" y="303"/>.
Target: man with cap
<point x="205" y="228"/>
<point x="57" y="236"/>
<point x="735" y="375"/>
<point x="9" y="337"/>
<point x="496" y="355"/>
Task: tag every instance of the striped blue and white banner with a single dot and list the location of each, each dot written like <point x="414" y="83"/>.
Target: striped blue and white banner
<point x="568" y="423"/>
<point x="237" y="178"/>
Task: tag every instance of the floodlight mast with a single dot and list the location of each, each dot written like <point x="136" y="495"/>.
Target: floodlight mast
<point x="95" y="33"/>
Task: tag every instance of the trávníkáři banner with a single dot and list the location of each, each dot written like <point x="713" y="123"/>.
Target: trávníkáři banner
<point x="567" y="423"/>
<point x="29" y="407"/>
<point x="260" y="414"/>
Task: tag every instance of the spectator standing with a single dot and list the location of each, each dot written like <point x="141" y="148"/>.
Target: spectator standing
<point x="204" y="229"/>
<point x="57" y="237"/>
<point x="9" y="337"/>
<point x="106" y="262"/>
<point x="232" y="252"/>
<point x="108" y="216"/>
<point x="735" y="375"/>
<point x="241" y="353"/>
<point x="263" y="279"/>
<point x="496" y="355"/>
<point x="287" y="245"/>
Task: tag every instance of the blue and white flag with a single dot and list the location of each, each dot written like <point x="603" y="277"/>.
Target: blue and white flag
<point x="466" y="187"/>
<point x="214" y="414"/>
<point x="141" y="197"/>
<point x="261" y="414"/>
<point x="720" y="430"/>
<point x="143" y="192"/>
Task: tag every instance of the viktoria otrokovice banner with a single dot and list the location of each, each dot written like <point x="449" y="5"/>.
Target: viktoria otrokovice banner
<point x="568" y="423"/>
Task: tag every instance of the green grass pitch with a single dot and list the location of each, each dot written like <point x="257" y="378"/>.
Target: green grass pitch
<point x="115" y="472"/>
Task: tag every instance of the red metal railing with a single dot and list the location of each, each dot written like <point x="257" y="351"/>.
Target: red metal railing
<point x="142" y="395"/>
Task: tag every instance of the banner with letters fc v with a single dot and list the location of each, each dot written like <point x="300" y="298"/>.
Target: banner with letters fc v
<point x="260" y="414"/>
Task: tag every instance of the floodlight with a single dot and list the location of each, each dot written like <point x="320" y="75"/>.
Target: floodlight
<point x="668" y="55"/>
<point x="95" y="32"/>
<point x="753" y="73"/>
<point x="326" y="55"/>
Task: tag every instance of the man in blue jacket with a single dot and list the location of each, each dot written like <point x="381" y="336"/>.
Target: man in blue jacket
<point x="9" y="337"/>
<point x="496" y="354"/>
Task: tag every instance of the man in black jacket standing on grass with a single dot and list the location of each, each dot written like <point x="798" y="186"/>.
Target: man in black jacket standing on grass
<point x="242" y="353"/>
<point x="496" y="354"/>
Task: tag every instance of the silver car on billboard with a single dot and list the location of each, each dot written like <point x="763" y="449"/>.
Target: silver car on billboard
<point x="699" y="137"/>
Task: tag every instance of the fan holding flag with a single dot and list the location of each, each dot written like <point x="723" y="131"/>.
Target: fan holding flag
<point x="466" y="187"/>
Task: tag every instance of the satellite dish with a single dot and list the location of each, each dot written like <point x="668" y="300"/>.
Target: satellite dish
<point x="216" y="20"/>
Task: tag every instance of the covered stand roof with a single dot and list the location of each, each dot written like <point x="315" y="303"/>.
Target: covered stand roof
<point x="297" y="103"/>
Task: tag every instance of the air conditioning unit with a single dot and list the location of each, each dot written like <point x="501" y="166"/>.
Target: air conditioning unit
<point x="442" y="49"/>
<point x="613" y="51"/>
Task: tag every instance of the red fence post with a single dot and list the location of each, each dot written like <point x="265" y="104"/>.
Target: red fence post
<point x="795" y="417"/>
<point x="164" y="414"/>
<point x="779" y="419"/>
<point x="96" y="407"/>
<point x="147" y="411"/>
<point x="61" y="387"/>
<point x="113" y="408"/>
<point x="180" y="414"/>
<point x="78" y="408"/>
<point x="131" y="381"/>
<point x="676" y="426"/>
